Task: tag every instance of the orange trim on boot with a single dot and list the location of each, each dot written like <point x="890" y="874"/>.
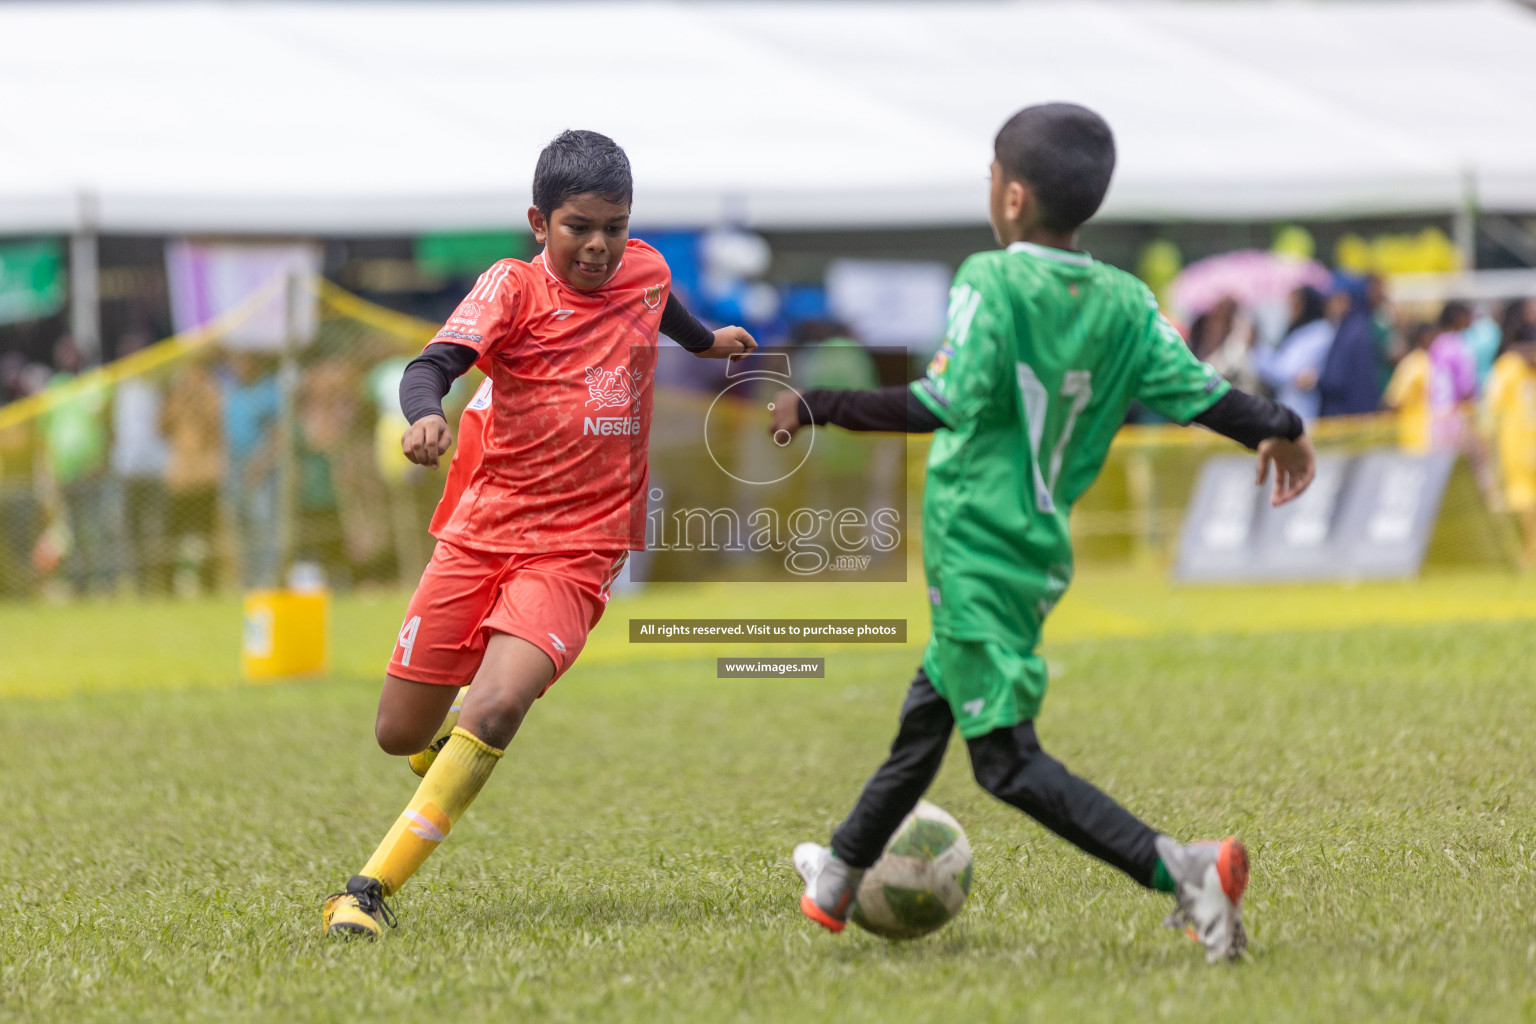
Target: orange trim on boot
<point x="809" y="908"/>
<point x="1232" y="868"/>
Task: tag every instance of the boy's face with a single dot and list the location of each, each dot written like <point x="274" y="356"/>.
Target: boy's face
<point x="583" y="238"/>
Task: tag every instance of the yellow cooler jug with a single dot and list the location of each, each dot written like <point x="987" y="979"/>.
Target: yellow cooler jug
<point x="286" y="633"/>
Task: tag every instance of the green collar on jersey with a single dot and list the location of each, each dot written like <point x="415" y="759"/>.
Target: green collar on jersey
<point x="1076" y="259"/>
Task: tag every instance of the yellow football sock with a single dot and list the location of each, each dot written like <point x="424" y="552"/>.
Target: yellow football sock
<point x="451" y="784"/>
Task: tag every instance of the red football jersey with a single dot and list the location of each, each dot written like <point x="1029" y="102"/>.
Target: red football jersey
<point x="552" y="449"/>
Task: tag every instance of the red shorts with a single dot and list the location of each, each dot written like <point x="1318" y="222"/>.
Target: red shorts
<point x="550" y="600"/>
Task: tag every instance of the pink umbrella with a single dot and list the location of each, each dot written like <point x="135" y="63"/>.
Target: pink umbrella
<point x="1251" y="276"/>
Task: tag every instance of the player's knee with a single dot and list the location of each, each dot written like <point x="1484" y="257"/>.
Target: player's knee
<point x="497" y="718"/>
<point x="399" y="737"/>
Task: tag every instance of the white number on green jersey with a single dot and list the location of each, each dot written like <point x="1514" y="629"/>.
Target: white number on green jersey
<point x="1076" y="385"/>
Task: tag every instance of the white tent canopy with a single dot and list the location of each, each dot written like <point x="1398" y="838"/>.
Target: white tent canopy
<point x="397" y="117"/>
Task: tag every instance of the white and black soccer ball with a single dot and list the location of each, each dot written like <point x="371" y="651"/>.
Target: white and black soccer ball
<point x="920" y="881"/>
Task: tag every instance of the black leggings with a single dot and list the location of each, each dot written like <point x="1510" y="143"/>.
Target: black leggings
<point x="1009" y="764"/>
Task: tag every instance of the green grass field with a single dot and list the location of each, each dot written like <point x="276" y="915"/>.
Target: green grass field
<point x="171" y="831"/>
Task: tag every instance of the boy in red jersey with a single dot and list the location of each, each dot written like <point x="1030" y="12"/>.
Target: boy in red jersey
<point x="545" y="496"/>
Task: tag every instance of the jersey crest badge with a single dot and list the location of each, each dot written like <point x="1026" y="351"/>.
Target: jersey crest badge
<point x="652" y="298"/>
<point x="940" y="361"/>
<point x="612" y="389"/>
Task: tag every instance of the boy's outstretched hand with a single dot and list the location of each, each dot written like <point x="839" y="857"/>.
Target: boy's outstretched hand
<point x="1294" y="466"/>
<point x="426" y="439"/>
<point x="731" y="343"/>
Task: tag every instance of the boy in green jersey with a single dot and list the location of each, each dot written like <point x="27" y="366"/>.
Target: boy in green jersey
<point x="1044" y="351"/>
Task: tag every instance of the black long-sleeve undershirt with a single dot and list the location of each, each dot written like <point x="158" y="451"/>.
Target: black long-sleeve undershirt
<point x="1246" y="419"/>
<point x="682" y="327"/>
<point x="894" y="408"/>
<point x="429" y="376"/>
<point x="1249" y="419"/>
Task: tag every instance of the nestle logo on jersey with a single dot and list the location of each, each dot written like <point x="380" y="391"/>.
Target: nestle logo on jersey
<point x="608" y="426"/>
<point x="468" y="314"/>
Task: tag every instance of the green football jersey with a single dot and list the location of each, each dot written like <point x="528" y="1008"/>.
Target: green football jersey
<point x="1044" y="351"/>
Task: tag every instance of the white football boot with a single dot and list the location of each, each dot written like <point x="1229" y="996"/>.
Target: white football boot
<point x="1211" y="876"/>
<point x="830" y="886"/>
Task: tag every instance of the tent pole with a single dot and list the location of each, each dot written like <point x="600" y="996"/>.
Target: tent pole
<point x="287" y="469"/>
<point x="84" y="286"/>
<point x="1464" y="223"/>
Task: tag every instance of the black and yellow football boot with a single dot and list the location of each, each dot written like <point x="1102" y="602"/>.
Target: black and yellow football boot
<point x="359" y="910"/>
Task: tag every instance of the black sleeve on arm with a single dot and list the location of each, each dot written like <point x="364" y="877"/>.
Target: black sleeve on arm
<point x="1249" y="419"/>
<point x="679" y="325"/>
<point x="429" y="376"/>
<point x="893" y="408"/>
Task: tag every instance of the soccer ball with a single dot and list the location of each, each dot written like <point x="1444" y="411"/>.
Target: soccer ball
<point x="920" y="881"/>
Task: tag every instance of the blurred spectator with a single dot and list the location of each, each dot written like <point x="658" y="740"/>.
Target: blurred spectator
<point x="1389" y="344"/>
<point x="1210" y="329"/>
<point x="21" y="518"/>
<point x="1481" y="337"/>
<point x="1292" y="368"/>
<point x="1517" y="314"/>
<point x="252" y="401"/>
<point x="1512" y="408"/>
<point x="1350" y="384"/>
<point x="139" y="457"/>
<point x="1224" y="337"/>
<point x="1226" y="343"/>
<point x="19" y="378"/>
<point x="1452" y="377"/>
<point x="11" y="366"/>
<point x="75" y="440"/>
<point x="1408" y="391"/>
<point x="193" y="423"/>
<point x="362" y="497"/>
<point x="322" y="437"/>
<point x="402" y="478"/>
<point x="833" y="359"/>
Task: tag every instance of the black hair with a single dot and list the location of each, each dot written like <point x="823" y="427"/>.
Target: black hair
<point x="1452" y="311"/>
<point x="1313" y="307"/>
<point x="576" y="163"/>
<point x="1513" y="318"/>
<point x="1420" y="335"/>
<point x="1065" y="154"/>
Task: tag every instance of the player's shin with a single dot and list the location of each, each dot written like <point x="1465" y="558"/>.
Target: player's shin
<point x="450" y="785"/>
